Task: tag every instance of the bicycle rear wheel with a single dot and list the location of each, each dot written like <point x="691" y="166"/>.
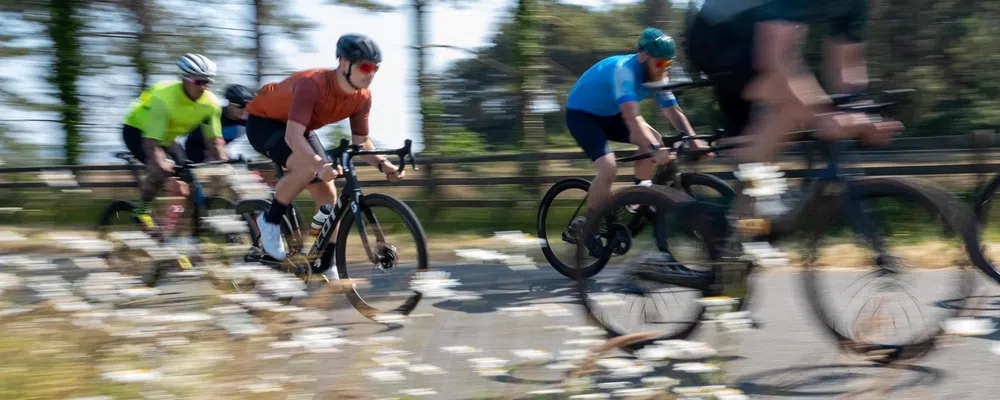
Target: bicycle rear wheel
<point x="903" y="214"/>
<point x="132" y="249"/>
<point x="558" y="216"/>
<point x="388" y="252"/>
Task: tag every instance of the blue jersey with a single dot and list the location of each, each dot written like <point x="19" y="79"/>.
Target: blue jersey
<point x="611" y="82"/>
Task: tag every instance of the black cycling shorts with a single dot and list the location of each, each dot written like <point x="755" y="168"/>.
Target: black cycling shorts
<point x="726" y="56"/>
<point x="132" y="137"/>
<point x="592" y="132"/>
<point x="267" y="136"/>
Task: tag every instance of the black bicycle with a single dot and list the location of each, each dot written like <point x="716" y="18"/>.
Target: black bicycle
<point x="982" y="205"/>
<point x="380" y="258"/>
<point x="149" y="268"/>
<point x="565" y="201"/>
<point x="844" y="220"/>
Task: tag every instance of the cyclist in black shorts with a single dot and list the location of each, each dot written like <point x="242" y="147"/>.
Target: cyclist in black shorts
<point x="752" y="51"/>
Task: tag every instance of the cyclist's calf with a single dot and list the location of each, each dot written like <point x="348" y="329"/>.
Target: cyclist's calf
<point x="600" y="189"/>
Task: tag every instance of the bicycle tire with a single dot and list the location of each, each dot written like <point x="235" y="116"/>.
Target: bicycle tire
<point x="409" y="218"/>
<point x="148" y="276"/>
<point x="543" y="210"/>
<point x="663" y="198"/>
<point x="688" y="180"/>
<point x="957" y="218"/>
<point x="983" y="199"/>
<point x="699" y="179"/>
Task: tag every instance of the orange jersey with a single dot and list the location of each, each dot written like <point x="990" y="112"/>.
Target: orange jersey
<point x="313" y="98"/>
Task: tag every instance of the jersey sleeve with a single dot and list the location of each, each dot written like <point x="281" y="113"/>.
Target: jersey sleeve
<point x="623" y="85"/>
<point x="155" y="126"/>
<point x="666" y="99"/>
<point x="212" y="125"/>
<point x="852" y="27"/>
<point x="305" y="91"/>
<point x="359" y="119"/>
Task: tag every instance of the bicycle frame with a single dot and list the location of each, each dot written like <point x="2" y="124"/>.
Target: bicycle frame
<point x="351" y="194"/>
<point x="197" y="197"/>
<point x="856" y="207"/>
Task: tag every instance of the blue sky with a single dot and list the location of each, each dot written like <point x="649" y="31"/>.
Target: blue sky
<point x="393" y="116"/>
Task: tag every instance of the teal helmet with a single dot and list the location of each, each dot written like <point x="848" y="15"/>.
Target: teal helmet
<point x="654" y="42"/>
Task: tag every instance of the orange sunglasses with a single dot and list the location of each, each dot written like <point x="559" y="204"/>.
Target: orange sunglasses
<point x="367" y="68"/>
<point x="661" y="64"/>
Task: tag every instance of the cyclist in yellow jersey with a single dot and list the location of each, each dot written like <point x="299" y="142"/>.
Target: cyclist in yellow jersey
<point x="165" y="111"/>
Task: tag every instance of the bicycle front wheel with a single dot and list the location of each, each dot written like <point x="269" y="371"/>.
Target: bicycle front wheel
<point x="383" y="257"/>
<point x="896" y="228"/>
<point x="989" y="221"/>
<point x="639" y="290"/>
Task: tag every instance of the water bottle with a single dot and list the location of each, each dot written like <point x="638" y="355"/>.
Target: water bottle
<point x="173" y="214"/>
<point x="320" y="218"/>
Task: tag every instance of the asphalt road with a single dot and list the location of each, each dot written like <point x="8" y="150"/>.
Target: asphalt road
<point x="788" y="357"/>
<point x="445" y="350"/>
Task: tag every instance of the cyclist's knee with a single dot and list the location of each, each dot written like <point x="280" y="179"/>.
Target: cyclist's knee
<point x="298" y="164"/>
<point x="606" y="166"/>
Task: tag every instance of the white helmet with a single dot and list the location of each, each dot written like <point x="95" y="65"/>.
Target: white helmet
<point x="196" y="64"/>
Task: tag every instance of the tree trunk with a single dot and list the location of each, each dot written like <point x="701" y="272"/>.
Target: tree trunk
<point x="430" y="112"/>
<point x="258" y="50"/>
<point x="529" y="53"/>
<point x="65" y="29"/>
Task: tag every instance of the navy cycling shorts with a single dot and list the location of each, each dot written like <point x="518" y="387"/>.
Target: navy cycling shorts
<point x="592" y="132"/>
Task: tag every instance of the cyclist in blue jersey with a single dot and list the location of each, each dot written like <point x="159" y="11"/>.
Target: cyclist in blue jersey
<point x="233" y="120"/>
<point x="603" y="105"/>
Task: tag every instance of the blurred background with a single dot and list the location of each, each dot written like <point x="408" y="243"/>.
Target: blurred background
<point x="479" y="86"/>
<point x="460" y="78"/>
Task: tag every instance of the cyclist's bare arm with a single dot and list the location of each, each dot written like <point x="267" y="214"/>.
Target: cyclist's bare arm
<point x="846" y="70"/>
<point x="157" y="157"/>
<point x="637" y="126"/>
<point x="304" y="97"/>
<point x="783" y="79"/>
<point x="216" y="149"/>
<point x="215" y="144"/>
<point x="367" y="144"/>
<point x="677" y="119"/>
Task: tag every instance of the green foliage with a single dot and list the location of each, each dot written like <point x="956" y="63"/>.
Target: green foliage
<point x="460" y="142"/>
<point x="943" y="49"/>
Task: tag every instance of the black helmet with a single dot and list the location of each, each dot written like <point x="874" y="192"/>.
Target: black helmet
<point x="354" y="47"/>
<point x="239" y="94"/>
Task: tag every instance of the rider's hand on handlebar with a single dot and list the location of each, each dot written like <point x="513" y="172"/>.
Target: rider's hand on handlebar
<point x="663" y="155"/>
<point x="841" y="126"/>
<point x="327" y="173"/>
<point x="701" y="144"/>
<point x="166" y="164"/>
<point x="392" y="172"/>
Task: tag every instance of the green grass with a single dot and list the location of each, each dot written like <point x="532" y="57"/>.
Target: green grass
<point x="81" y="211"/>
